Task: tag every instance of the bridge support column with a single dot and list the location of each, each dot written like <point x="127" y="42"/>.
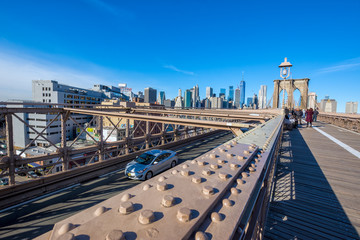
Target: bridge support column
<point x="127" y="130"/>
<point x="147" y="134"/>
<point x="163" y="133"/>
<point x="10" y="147"/>
<point x="65" y="157"/>
<point x="101" y="139"/>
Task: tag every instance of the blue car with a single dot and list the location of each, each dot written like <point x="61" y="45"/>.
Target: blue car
<point x="150" y="163"/>
<point x="4" y="181"/>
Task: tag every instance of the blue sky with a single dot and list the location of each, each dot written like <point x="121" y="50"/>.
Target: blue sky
<point x="177" y="44"/>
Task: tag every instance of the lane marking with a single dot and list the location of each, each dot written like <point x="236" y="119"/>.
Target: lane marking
<point x="38" y="198"/>
<point x="338" y="142"/>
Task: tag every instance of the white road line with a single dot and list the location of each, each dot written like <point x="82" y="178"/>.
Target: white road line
<point x="38" y="198"/>
<point x="338" y="142"/>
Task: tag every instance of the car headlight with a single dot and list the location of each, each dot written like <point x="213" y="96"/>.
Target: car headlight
<point x="141" y="171"/>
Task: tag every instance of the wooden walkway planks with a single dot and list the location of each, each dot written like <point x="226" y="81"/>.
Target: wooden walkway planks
<point x="317" y="187"/>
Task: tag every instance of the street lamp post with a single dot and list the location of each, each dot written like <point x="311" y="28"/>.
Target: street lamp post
<point x="284" y="73"/>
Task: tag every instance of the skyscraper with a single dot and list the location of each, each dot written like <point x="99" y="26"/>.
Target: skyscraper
<point x="312" y="100"/>
<point x="262" y="96"/>
<point x="187" y="99"/>
<point x="237" y="98"/>
<point x="161" y="97"/>
<point x="255" y="101"/>
<point x="150" y="95"/>
<point x="209" y="92"/>
<point x="195" y="96"/>
<point x="222" y="93"/>
<point x="179" y="101"/>
<point x="231" y="93"/>
<point x="242" y="93"/>
<point x="351" y="107"/>
<point x="328" y="105"/>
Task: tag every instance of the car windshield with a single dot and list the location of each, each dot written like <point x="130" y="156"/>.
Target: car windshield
<point x="145" y="158"/>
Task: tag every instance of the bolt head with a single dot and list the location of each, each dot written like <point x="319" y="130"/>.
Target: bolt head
<point x="161" y="179"/>
<point x="146" y="187"/>
<point x="201" y="163"/>
<point x="229" y="146"/>
<point x="185" y="166"/>
<point x="227" y="202"/>
<point x="100" y="211"/>
<point x="161" y="186"/>
<point x="167" y="201"/>
<point x="126" y="208"/>
<point x="67" y="236"/>
<point x="246" y="152"/>
<point x="185" y="173"/>
<point x="125" y="197"/>
<point x="234" y="191"/>
<point x="229" y="155"/>
<point x="244" y="175"/>
<point x="146" y="217"/>
<point x="183" y="214"/>
<point x="67" y="227"/>
<point x="234" y="165"/>
<point x="214" y="166"/>
<point x="223" y="176"/>
<point x="201" y="236"/>
<point x="212" y="156"/>
<point x="115" y="235"/>
<point x="240" y="181"/>
<point x="240" y="157"/>
<point x="216" y="217"/>
<point x="221" y="161"/>
<point x="251" y="169"/>
<point x="206" y="172"/>
<point x="174" y="171"/>
<point x="207" y="190"/>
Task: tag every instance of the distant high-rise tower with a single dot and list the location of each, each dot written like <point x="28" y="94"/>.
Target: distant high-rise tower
<point x="187" y="99"/>
<point x="150" y="95"/>
<point x="351" y="107"/>
<point x="209" y="92"/>
<point x="222" y="93"/>
<point x="237" y="98"/>
<point x="328" y="105"/>
<point x="262" y="96"/>
<point x="312" y="100"/>
<point x="179" y="101"/>
<point x="195" y="96"/>
<point x="161" y="97"/>
<point x="255" y="101"/>
<point x="231" y="93"/>
<point x="242" y="93"/>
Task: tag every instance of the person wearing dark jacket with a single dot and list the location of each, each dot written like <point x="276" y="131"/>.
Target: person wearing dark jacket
<point x="309" y="117"/>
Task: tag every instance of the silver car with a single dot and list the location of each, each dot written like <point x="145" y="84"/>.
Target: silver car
<point x="150" y="163"/>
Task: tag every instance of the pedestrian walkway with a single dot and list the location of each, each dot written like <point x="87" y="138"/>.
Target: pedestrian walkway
<point x="317" y="186"/>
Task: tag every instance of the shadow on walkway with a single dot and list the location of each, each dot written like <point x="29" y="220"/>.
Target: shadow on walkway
<point x="303" y="204"/>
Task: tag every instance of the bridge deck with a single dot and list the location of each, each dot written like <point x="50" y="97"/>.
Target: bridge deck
<point x="317" y="188"/>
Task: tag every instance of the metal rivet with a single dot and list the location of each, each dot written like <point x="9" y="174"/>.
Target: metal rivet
<point x="229" y="155"/>
<point x="185" y="173"/>
<point x="259" y="156"/>
<point x="234" y="165"/>
<point x="223" y="175"/>
<point x="162" y="186"/>
<point x="193" y="161"/>
<point x="174" y="171"/>
<point x="146" y="187"/>
<point x="207" y="190"/>
<point x="115" y="235"/>
<point x="126" y="208"/>
<point x="227" y="203"/>
<point x="201" y="236"/>
<point x="100" y="211"/>
<point x="214" y="166"/>
<point x="146" y="216"/>
<point x="212" y="156"/>
<point x="234" y="142"/>
<point x="240" y="157"/>
<point x="221" y="161"/>
<point x="125" y="197"/>
<point x="234" y="191"/>
<point x="251" y="169"/>
<point x="167" y="201"/>
<point x="240" y="181"/>
<point x="183" y="214"/>
<point x="206" y="172"/>
<point x="196" y="179"/>
<point x="222" y="150"/>
<point x="244" y="174"/>
<point x="246" y="152"/>
<point x="229" y="146"/>
<point x="253" y="165"/>
<point x="215" y="217"/>
<point x="185" y="166"/>
<point x="201" y="163"/>
<point x="67" y="236"/>
<point x="161" y="179"/>
<point x="66" y="228"/>
<point x="257" y="160"/>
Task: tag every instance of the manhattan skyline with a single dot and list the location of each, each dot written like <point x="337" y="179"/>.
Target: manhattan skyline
<point x="169" y="46"/>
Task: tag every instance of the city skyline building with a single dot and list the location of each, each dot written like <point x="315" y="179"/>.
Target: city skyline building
<point x="222" y="93"/>
<point x="262" y="97"/>
<point x="161" y="97"/>
<point x="328" y="105"/>
<point x="150" y="95"/>
<point x="351" y="107"/>
<point x="188" y="98"/>
<point x="255" y="101"/>
<point x="209" y="92"/>
<point x="231" y="93"/>
<point x="312" y="100"/>
<point x="242" y="93"/>
<point x="237" y="98"/>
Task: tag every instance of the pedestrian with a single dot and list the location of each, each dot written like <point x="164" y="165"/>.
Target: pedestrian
<point x="316" y="113"/>
<point x="298" y="115"/>
<point x="309" y="117"/>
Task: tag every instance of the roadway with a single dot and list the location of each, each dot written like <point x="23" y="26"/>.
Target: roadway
<point x="32" y="219"/>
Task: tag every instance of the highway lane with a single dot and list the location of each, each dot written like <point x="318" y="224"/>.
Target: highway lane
<point x="32" y="219"/>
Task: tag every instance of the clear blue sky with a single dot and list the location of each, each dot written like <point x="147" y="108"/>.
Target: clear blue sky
<point x="177" y="44"/>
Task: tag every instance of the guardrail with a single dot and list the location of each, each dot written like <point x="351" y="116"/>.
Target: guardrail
<point x="222" y="194"/>
<point x="347" y="121"/>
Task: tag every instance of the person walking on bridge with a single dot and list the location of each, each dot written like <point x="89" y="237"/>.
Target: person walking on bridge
<point x="309" y="117"/>
<point x="298" y="115"/>
<point x="316" y="113"/>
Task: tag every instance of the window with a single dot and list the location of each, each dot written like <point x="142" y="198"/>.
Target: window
<point x="49" y="100"/>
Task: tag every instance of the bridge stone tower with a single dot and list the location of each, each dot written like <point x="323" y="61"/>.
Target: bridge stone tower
<point x="290" y="85"/>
